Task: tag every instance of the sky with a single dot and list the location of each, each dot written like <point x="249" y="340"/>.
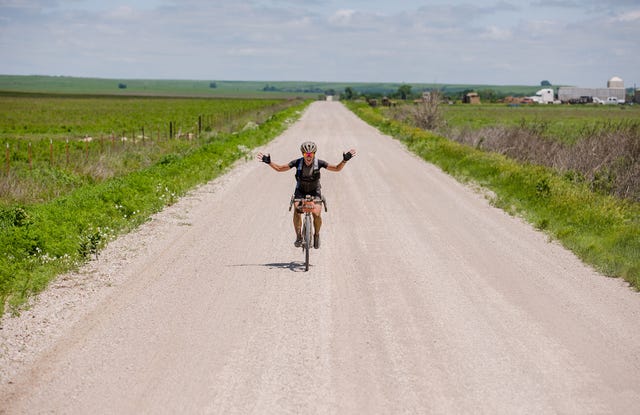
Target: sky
<point x="492" y="42"/>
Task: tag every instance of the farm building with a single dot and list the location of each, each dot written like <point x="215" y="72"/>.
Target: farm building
<point x="471" y="98"/>
<point x="614" y="89"/>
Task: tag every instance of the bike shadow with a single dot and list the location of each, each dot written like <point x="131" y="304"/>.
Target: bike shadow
<point x="294" y="266"/>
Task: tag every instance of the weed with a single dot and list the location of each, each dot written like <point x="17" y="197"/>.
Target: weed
<point x="90" y="243"/>
<point x="543" y="188"/>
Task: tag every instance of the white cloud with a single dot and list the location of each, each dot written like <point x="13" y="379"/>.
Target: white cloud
<point x="374" y="40"/>
<point x="342" y="17"/>
<point x="630" y="16"/>
<point x="497" y="33"/>
<point x="122" y="12"/>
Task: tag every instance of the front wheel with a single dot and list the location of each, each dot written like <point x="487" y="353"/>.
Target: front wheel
<point x="306" y="231"/>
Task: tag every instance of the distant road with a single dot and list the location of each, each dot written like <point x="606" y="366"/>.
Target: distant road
<point x="422" y="299"/>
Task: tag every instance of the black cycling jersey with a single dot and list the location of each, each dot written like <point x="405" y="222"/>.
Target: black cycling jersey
<point x="308" y="177"/>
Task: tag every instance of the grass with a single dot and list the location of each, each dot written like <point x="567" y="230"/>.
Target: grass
<point x="49" y="154"/>
<point x="601" y="230"/>
<point x="73" y="116"/>
<point x="41" y="240"/>
<point x="563" y="122"/>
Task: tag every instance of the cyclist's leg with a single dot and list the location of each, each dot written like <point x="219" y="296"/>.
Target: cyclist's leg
<point x="297" y="220"/>
<point x="317" y="222"/>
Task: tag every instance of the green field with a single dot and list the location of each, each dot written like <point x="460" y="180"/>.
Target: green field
<point x="26" y="116"/>
<point x="55" y="144"/>
<point x="229" y="88"/>
<point x="567" y="123"/>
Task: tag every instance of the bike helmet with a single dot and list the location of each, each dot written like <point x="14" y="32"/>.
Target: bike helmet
<point x="308" y="147"/>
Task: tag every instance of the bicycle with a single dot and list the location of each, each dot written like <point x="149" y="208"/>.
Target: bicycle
<point x="307" y="206"/>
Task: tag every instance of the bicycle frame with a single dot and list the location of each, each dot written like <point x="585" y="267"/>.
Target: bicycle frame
<point x="307" y="206"/>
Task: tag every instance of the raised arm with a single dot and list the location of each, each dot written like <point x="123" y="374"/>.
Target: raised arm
<point x="266" y="158"/>
<point x="345" y="157"/>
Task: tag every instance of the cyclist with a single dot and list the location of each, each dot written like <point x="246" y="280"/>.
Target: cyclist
<point x="307" y="183"/>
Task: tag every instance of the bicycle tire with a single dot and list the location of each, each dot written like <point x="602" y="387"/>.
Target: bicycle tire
<point x="307" y="240"/>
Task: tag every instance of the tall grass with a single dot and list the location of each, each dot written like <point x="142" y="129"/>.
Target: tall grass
<point x="599" y="145"/>
<point x="607" y="157"/>
<point x="602" y="230"/>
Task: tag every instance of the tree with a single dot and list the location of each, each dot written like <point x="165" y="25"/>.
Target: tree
<point x="348" y="93"/>
<point x="488" y="95"/>
<point x="404" y="91"/>
<point x="545" y="83"/>
<point x="122" y="86"/>
<point x="213" y="85"/>
<point x="331" y="92"/>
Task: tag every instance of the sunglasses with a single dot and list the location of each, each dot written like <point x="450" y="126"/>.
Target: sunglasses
<point x="308" y="154"/>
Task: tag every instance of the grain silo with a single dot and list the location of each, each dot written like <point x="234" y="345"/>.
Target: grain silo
<point x="615" y="82"/>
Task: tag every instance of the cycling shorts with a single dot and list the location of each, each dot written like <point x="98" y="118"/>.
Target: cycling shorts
<point x="299" y="194"/>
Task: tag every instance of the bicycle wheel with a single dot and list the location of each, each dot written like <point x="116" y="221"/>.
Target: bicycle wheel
<point x="307" y="240"/>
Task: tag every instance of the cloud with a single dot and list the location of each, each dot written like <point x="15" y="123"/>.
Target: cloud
<point x="496" y="33"/>
<point x="630" y="16"/>
<point x="342" y="17"/>
<point x="370" y="40"/>
<point x="122" y="12"/>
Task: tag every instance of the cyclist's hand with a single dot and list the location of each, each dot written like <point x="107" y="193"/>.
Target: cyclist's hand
<point x="265" y="158"/>
<point x="348" y="155"/>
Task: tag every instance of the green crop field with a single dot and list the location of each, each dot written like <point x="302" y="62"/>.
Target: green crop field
<point x="24" y="116"/>
<point x="54" y="144"/>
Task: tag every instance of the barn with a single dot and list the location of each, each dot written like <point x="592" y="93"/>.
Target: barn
<point x="471" y="98"/>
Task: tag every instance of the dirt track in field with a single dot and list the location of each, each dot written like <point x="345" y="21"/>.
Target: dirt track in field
<point x="422" y="299"/>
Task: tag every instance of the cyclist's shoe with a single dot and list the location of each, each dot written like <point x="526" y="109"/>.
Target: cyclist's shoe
<point x="298" y="242"/>
<point x="316" y="241"/>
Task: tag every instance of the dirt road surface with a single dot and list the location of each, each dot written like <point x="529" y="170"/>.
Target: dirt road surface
<point x="422" y="299"/>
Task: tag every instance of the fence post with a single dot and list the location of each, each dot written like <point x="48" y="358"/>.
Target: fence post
<point x="143" y="135"/>
<point x="30" y="163"/>
<point x="8" y="166"/>
<point x="199" y="125"/>
<point x="66" y="150"/>
<point x="51" y="152"/>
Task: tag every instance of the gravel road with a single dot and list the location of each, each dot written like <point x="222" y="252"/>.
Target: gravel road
<point x="422" y="299"/>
